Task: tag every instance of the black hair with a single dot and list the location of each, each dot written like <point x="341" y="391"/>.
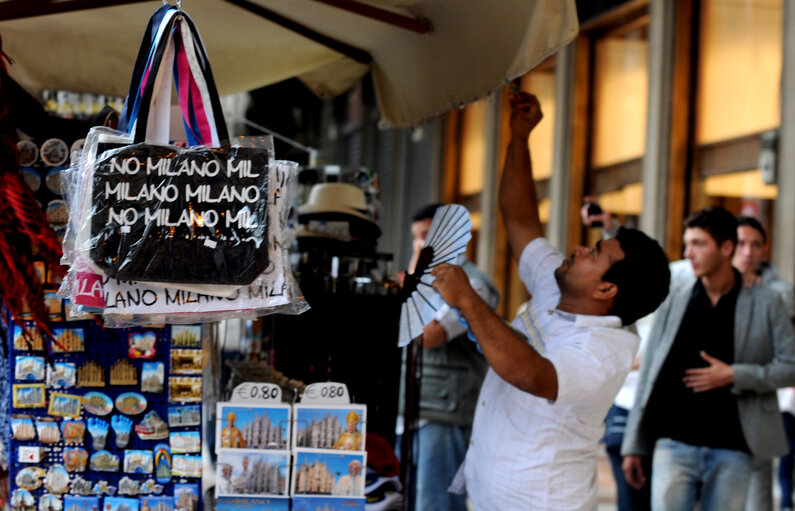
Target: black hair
<point x="717" y="221"/>
<point x="754" y="224"/>
<point x="426" y="212"/>
<point x="642" y="277"/>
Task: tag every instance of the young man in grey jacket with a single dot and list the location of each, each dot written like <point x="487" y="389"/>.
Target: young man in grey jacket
<point x="706" y="402"/>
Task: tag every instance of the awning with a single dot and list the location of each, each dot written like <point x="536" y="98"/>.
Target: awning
<point x="452" y="51"/>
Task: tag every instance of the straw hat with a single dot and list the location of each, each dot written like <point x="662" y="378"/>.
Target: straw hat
<point x="341" y="202"/>
<point x="336" y="198"/>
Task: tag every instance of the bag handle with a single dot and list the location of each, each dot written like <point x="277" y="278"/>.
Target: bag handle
<point x="214" y="128"/>
<point x="200" y="75"/>
<point x="160" y="21"/>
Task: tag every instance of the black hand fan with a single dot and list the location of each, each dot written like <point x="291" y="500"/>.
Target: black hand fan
<point x="447" y="238"/>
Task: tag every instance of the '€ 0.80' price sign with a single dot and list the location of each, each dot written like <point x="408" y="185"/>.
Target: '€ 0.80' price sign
<point x="256" y="392"/>
<point x="327" y="392"/>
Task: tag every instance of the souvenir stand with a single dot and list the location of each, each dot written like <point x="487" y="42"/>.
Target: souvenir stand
<point x="107" y="414"/>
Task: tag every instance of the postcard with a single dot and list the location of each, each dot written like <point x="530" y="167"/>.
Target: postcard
<point x="340" y="427"/>
<point x="68" y="340"/>
<point x="328" y="504"/>
<point x="243" y="426"/>
<point x="334" y="473"/>
<point x="65" y="405"/>
<point x="188" y="415"/>
<point x="250" y="472"/>
<point x="186" y="361"/>
<point x="186" y="497"/>
<point x="186" y="466"/>
<point x="186" y="336"/>
<point x="28" y="395"/>
<point x="252" y="504"/>
<point x="184" y="389"/>
<point x="29" y="368"/>
<point x="182" y="442"/>
<point x="120" y="504"/>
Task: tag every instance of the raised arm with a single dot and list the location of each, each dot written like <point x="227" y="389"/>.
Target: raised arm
<point x="518" y="201"/>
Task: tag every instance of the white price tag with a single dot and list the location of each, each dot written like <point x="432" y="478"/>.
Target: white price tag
<point x="255" y="392"/>
<point x="327" y="392"/>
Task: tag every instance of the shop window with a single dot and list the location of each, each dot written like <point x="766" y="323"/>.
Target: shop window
<point x="617" y="134"/>
<point x="738" y="101"/>
<point x="739" y="68"/>
<point x="621" y="80"/>
<point x="541" y="82"/>
<point x="472" y="166"/>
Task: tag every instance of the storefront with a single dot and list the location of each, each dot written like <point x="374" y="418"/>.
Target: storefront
<point x="657" y="109"/>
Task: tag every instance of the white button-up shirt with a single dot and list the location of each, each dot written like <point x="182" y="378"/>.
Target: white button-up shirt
<point x="527" y="452"/>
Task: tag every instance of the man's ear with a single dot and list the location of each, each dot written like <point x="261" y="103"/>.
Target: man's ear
<point x="605" y="291"/>
<point x="727" y="248"/>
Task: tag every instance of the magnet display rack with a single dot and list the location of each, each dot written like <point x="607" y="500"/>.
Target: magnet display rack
<point x="104" y="347"/>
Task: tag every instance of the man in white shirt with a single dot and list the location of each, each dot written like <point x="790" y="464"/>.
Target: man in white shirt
<point x="541" y="409"/>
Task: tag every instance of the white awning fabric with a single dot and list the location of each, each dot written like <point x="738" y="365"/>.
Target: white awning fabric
<point x="473" y="47"/>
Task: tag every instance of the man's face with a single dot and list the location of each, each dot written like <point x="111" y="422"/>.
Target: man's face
<point x="419" y="231"/>
<point x="355" y="468"/>
<point x="750" y="250"/>
<point x="227" y="472"/>
<point x="703" y="252"/>
<point x="245" y="463"/>
<point x="579" y="275"/>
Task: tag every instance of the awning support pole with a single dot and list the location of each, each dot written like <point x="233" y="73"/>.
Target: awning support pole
<point x="419" y="25"/>
<point x="354" y="53"/>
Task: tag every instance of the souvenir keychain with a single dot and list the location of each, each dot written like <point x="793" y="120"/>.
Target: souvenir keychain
<point x="152" y="427"/>
<point x="22" y="428"/>
<point x="163" y="463"/>
<point x="129" y="486"/>
<point x="57" y="479"/>
<point x="122" y="426"/>
<point x="73" y="431"/>
<point x="30" y="478"/>
<point x="75" y="459"/>
<point x="98" y="429"/>
<point x="47" y="429"/>
<point x="81" y="487"/>
<point x="104" y="461"/>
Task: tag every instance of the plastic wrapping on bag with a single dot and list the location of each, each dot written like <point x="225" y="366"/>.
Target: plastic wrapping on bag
<point x="181" y="215"/>
<point x="160" y="233"/>
<point x="127" y="303"/>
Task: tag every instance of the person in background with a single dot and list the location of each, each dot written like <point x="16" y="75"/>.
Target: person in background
<point x="627" y="497"/>
<point x="705" y="405"/>
<point x="750" y="259"/>
<point x="452" y="372"/>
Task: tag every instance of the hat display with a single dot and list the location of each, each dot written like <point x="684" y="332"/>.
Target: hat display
<point x="336" y="198"/>
<point x="340" y="202"/>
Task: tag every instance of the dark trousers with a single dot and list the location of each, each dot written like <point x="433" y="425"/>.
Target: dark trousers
<point x="787" y="462"/>
<point x="629" y="499"/>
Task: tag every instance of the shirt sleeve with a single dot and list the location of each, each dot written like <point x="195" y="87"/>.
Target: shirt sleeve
<point x="588" y="369"/>
<point x="448" y="318"/>
<point x="537" y="266"/>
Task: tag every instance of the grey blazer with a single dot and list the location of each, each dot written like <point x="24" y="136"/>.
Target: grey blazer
<point x="764" y="360"/>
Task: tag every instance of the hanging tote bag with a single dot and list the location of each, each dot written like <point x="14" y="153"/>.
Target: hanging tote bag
<point x="160" y="213"/>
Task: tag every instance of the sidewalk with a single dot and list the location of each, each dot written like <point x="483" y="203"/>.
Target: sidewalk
<point x="607" y="485"/>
